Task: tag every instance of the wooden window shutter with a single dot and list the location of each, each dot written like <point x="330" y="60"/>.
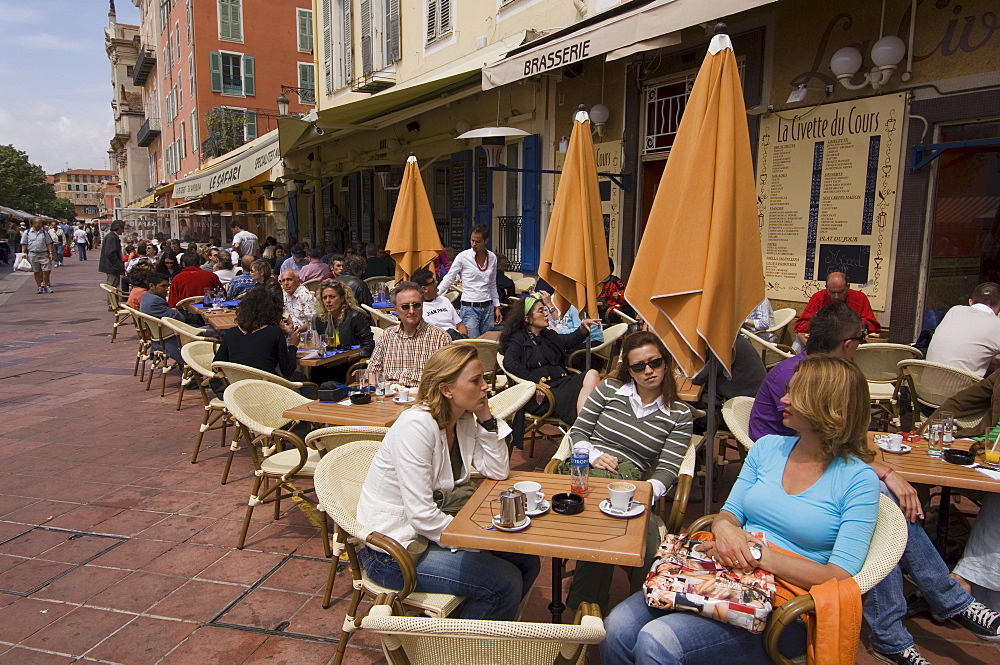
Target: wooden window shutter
<point x="225" y="25"/>
<point x="348" y="45"/>
<point x="392" y="47"/>
<point x="248" y="82"/>
<point x="432" y="12"/>
<point x="234" y="19"/>
<point x="307" y="79"/>
<point x="251" y="126"/>
<point x="305" y="30"/>
<point x="328" y="45"/>
<point x="215" y="65"/>
<point x="367" y="52"/>
<point x="444" y="17"/>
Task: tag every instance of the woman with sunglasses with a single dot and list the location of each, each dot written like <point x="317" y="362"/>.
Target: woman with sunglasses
<point x="168" y="264"/>
<point x="633" y="428"/>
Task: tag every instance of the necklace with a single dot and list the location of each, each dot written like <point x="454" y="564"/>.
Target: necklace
<point x="486" y="264"/>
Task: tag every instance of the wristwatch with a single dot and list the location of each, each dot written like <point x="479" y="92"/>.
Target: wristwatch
<point x="756" y="551"/>
<point x="489" y="425"/>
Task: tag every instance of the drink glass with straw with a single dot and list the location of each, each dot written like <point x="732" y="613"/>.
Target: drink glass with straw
<point x="992" y="453"/>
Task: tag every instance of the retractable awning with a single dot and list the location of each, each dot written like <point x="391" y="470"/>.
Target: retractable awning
<point x="650" y="26"/>
<point x="240" y="165"/>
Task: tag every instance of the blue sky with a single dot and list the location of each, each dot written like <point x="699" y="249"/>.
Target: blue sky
<point x="55" y="80"/>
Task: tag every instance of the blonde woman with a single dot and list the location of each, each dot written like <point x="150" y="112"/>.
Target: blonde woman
<point x="423" y="466"/>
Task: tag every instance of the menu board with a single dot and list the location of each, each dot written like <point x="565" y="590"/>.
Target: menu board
<point x="826" y="195"/>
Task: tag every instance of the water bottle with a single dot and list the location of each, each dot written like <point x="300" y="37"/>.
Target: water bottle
<point x="580" y="470"/>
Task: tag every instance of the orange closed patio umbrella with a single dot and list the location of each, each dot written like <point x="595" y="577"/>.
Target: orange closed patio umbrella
<point x="575" y="256"/>
<point x="413" y="241"/>
<point x="699" y="258"/>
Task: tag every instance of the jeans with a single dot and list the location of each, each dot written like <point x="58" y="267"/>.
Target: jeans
<point x="492" y="583"/>
<point x="885" y="604"/>
<point x="81" y="251"/>
<point x="57" y="247"/>
<point x="642" y="635"/>
<point x="477" y="319"/>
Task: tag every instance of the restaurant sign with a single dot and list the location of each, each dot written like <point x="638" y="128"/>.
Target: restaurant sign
<point x="239" y="168"/>
<point x="826" y="195"/>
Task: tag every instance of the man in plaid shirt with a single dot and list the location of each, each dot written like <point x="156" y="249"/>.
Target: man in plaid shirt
<point x="402" y="351"/>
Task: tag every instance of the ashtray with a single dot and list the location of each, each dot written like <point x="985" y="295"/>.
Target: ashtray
<point x="959" y="456"/>
<point x="361" y="398"/>
<point x="567" y="503"/>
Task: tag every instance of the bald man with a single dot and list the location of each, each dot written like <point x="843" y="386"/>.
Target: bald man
<point x="839" y="290"/>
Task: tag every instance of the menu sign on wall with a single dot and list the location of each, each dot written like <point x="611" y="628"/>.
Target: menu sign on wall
<point x="826" y="195"/>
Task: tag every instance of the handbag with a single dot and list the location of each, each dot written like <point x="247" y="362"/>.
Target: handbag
<point x="66" y="252"/>
<point x="21" y="263"/>
<point x="682" y="578"/>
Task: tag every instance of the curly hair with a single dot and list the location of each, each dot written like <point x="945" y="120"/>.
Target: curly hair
<point x="346" y="294"/>
<point x="258" y="308"/>
<point x="140" y="272"/>
<point x="517" y="320"/>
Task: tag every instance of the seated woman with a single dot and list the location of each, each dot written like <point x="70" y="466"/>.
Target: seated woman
<point x="634" y="429"/>
<point x="259" y="338"/>
<point x="168" y="263"/>
<point x="533" y="351"/>
<point x="137" y="283"/>
<point x="810" y="494"/>
<point x="423" y="466"/>
<point x="339" y="317"/>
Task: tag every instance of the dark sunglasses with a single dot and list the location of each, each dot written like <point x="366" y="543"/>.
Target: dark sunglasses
<point x="407" y="306"/>
<point x="655" y="363"/>
<point x="860" y="339"/>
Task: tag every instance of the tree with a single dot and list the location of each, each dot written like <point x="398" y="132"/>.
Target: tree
<point x="61" y="208"/>
<point x="227" y="130"/>
<point x="22" y="184"/>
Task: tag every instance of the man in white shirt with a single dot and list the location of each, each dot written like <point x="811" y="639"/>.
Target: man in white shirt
<point x="244" y="242"/>
<point x="80" y="238"/>
<point x="438" y="310"/>
<point x="300" y="303"/>
<point x="476" y="268"/>
<point x="968" y="337"/>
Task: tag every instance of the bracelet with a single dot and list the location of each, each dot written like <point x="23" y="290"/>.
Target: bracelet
<point x="885" y="475"/>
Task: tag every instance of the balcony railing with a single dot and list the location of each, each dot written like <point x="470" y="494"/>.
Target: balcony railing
<point x="143" y="66"/>
<point x="148" y="132"/>
<point x="374" y="82"/>
<point x="509" y="240"/>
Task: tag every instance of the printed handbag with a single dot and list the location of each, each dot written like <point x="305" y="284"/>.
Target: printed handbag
<point x="682" y="578"/>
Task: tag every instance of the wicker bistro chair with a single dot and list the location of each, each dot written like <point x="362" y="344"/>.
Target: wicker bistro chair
<point x="770" y="354"/>
<point x="736" y="413"/>
<point x="379" y="282"/>
<point x="312" y="284"/>
<point x="158" y="336"/>
<point x="258" y="406"/>
<point x="533" y="422"/>
<point x="487" y="349"/>
<point x="888" y="543"/>
<point x="408" y="640"/>
<point x="338" y="479"/>
<point x="514" y="276"/>
<point x="930" y="384"/>
<point x="198" y="358"/>
<point x="185" y="335"/>
<point x="606" y="349"/>
<point x="121" y="315"/>
<point x="142" y="354"/>
<point x="508" y="402"/>
<point x="879" y="363"/>
<point x="782" y="317"/>
<point x="381" y="319"/>
<point x="525" y="284"/>
<point x="192" y="300"/>
<point x="616" y="315"/>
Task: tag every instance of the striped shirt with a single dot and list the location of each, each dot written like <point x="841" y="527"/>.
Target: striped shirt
<point x="402" y="358"/>
<point x="656" y="443"/>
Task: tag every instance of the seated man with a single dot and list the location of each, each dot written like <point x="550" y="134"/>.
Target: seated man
<point x="438" y="310"/>
<point x="353" y="269"/>
<point x="336" y="265"/>
<point x="192" y="280"/>
<point x="154" y="303"/>
<point x="402" y="351"/>
<point x="295" y="262"/>
<point x="838" y="290"/>
<point x="243" y="281"/>
<point x="760" y="319"/>
<point x="968" y="337"/>
<point x="315" y="269"/>
<point x="300" y="302"/>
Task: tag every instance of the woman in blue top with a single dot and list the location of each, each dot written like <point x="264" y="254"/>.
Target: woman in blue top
<point x="812" y="495"/>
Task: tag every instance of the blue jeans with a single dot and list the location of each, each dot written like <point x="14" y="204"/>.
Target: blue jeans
<point x="477" y="319"/>
<point x="492" y="583"/>
<point x="57" y="247"/>
<point x="81" y="251"/>
<point x="641" y="635"/>
<point x="885" y="604"/>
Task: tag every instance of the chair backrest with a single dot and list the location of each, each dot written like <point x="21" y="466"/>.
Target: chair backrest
<point x="888" y="543"/>
<point x="736" y="413"/>
<point x="507" y="402"/>
<point x="198" y="356"/>
<point x="312" y="284"/>
<point x="258" y="405"/>
<point x="326" y="439"/>
<point x="191" y="300"/>
<point x="185" y="333"/>
<point x="514" y="276"/>
<point x="770" y="354"/>
<point x="382" y="319"/>
<point x="141" y="329"/>
<point x="879" y="362"/>
<point x="782" y="317"/>
<point x="933" y="383"/>
<point x="113" y="298"/>
<point x="487" y="350"/>
<point x="378" y="282"/>
<point x="338" y="479"/>
<point x="616" y="312"/>
<point x="234" y="372"/>
<point x="611" y="336"/>
<point x="376" y="332"/>
<point x="452" y="296"/>
<point x="525" y="284"/>
<point x="513" y="377"/>
<point x="157" y="331"/>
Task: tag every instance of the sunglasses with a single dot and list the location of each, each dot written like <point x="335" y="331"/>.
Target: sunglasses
<point x="655" y="363"/>
<point x="407" y="306"/>
<point x="860" y="339"/>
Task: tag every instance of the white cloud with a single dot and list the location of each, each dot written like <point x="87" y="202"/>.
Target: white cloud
<point x="54" y="139"/>
<point x="18" y="14"/>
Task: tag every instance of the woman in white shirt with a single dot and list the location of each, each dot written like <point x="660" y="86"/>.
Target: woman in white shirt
<point x="422" y="469"/>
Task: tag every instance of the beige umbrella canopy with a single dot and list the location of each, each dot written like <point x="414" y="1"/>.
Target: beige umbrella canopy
<point x="575" y="256"/>
<point x="699" y="258"/>
<point x="413" y="241"/>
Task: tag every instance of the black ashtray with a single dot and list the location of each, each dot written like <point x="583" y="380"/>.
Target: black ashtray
<point x="958" y="456"/>
<point x="567" y="503"/>
<point x="361" y="398"/>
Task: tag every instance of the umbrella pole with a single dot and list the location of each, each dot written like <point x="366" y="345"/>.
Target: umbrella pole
<point x="588" y="352"/>
<point x="713" y="377"/>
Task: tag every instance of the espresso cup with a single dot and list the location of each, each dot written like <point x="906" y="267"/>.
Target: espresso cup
<point x="620" y="494"/>
<point x="894" y="442"/>
<point x="531" y="493"/>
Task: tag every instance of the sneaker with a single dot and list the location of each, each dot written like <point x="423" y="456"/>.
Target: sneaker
<point x="48" y="289"/>
<point x="908" y="657"/>
<point x="41" y="289"/>
<point x="983" y="622"/>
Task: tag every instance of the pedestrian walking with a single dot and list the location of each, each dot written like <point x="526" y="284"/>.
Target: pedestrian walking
<point x="80" y="238"/>
<point x="58" y="242"/>
<point x="37" y="245"/>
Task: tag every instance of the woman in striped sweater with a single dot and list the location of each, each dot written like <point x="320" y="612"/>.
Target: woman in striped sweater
<point x="635" y="429"/>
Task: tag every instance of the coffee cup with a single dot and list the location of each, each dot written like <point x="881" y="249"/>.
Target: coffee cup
<point x="620" y="494"/>
<point x="894" y="442"/>
<point x="532" y="493"/>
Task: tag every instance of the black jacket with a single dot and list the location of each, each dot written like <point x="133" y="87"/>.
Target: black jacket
<point x="111" y="255"/>
<point x="354" y="330"/>
<point x="361" y="291"/>
<point x="542" y="357"/>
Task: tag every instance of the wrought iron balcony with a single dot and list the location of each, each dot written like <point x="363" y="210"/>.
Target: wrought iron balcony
<point x="144" y="65"/>
<point x="148" y="132"/>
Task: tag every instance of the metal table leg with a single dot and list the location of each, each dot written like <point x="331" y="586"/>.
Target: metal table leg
<point x="944" y="507"/>
<point x="557" y="606"/>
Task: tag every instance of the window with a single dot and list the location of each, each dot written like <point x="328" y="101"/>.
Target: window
<point x="194" y="130"/>
<point x="338" y="45"/>
<point x="232" y="73"/>
<point x="307" y="79"/>
<point x="180" y="91"/>
<point x="182" y="139"/>
<point x="379" y="34"/>
<point x="438" y="19"/>
<point x="128" y="70"/>
<point x="190" y="22"/>
<point x="164" y="14"/>
<point x="194" y="92"/>
<point x="250" y="131"/>
<point x="231" y="20"/>
<point x="177" y="41"/>
<point x="304" y="19"/>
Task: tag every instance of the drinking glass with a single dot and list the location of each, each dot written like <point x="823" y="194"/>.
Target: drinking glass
<point x="992" y="454"/>
<point x="947" y="427"/>
<point x="935" y="437"/>
<point x="380" y="388"/>
<point x="207" y="301"/>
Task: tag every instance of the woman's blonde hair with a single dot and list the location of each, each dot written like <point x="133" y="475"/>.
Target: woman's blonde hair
<point x="832" y="395"/>
<point x="346" y="294"/>
<point x="444" y="367"/>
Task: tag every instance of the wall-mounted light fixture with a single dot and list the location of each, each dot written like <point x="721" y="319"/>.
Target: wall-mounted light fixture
<point x="599" y="114"/>
<point x="564" y="145"/>
<point x="886" y="56"/>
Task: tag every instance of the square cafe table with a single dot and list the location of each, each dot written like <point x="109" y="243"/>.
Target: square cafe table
<point x="917" y="466"/>
<point x="220" y="320"/>
<point x="329" y="358"/>
<point x="587" y="536"/>
<point x="374" y="414"/>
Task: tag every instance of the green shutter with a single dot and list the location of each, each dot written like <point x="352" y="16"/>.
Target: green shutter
<point x="305" y="30"/>
<point x="251" y="130"/>
<point x="248" y="85"/>
<point x="225" y="26"/>
<point x="215" y="66"/>
<point x="307" y="79"/>
<point x="234" y="19"/>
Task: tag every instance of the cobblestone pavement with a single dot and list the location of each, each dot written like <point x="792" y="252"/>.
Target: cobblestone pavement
<point x="114" y="548"/>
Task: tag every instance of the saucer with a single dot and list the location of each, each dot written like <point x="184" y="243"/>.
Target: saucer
<point x="635" y="509"/>
<point x="517" y="527"/>
<point x="399" y="399"/>
<point x="903" y="449"/>
<point x="540" y="509"/>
